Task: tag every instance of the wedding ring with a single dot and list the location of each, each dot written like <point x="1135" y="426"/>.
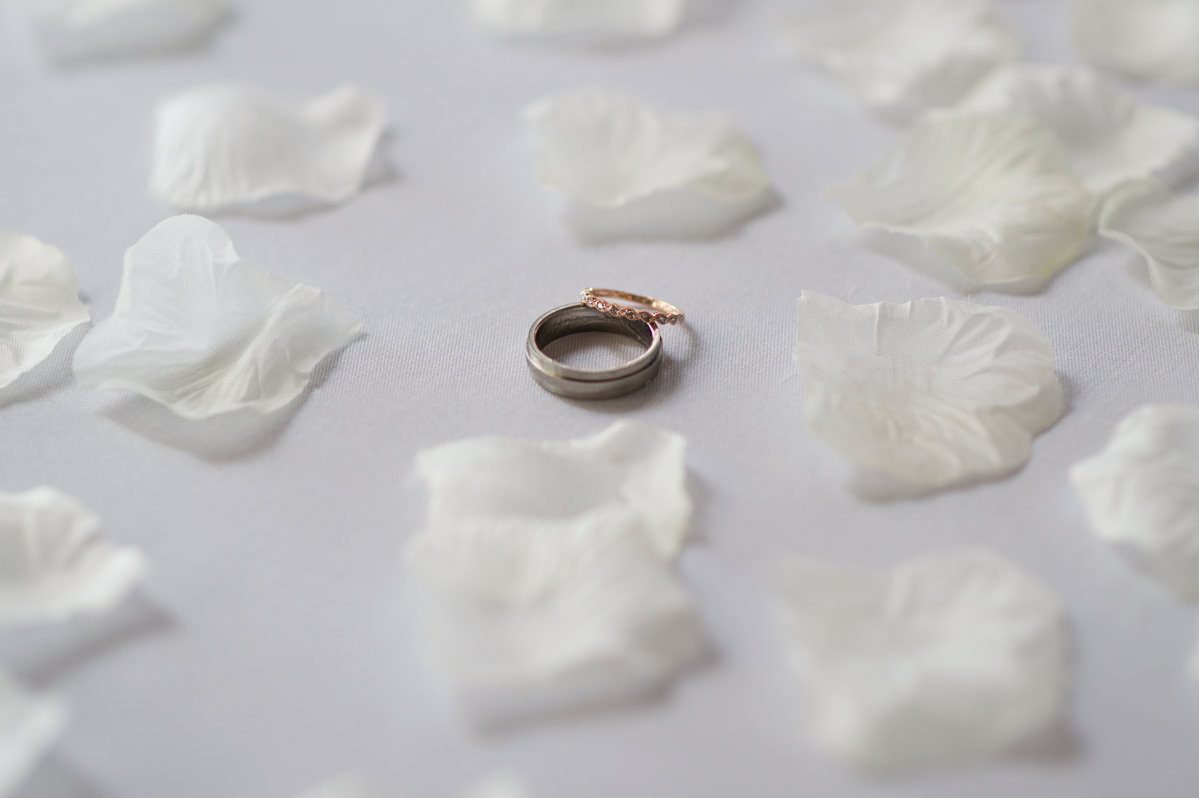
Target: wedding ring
<point x="579" y="383"/>
<point x="661" y="313"/>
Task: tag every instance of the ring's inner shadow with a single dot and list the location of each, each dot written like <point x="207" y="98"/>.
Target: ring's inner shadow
<point x="594" y="350"/>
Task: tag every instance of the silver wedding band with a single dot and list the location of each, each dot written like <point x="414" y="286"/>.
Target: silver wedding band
<point x="578" y="383"/>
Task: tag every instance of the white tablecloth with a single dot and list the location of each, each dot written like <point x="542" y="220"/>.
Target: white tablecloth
<point x="273" y="645"/>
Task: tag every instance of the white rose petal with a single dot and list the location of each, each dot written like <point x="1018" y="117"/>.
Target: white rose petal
<point x="530" y="619"/>
<point x="29" y="726"/>
<point x="39" y="303"/>
<point x="901" y="56"/>
<point x="545" y="572"/>
<point x="934" y="392"/>
<point x="1164" y="228"/>
<point x="1151" y="39"/>
<point x="603" y="20"/>
<point x="54" y="563"/>
<point x="354" y="787"/>
<point x="79" y="30"/>
<point x="203" y="332"/>
<point x="607" y="150"/>
<point x="1110" y="137"/>
<point x="946" y="660"/>
<point x="229" y="147"/>
<point x="628" y="469"/>
<point x="992" y="195"/>
<point x="1141" y="493"/>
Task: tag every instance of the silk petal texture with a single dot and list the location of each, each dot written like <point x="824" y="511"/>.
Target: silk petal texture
<point x="992" y="195"/>
<point x="934" y="392"/>
<point x="1163" y="227"/>
<point x="39" y="303"/>
<point x="203" y="332"/>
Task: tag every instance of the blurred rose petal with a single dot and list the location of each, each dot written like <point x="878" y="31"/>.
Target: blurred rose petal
<point x="628" y="470"/>
<point x="532" y="619"/>
<point x="1141" y="493"/>
<point x="544" y="572"/>
<point x="502" y="785"/>
<point x="230" y="147"/>
<point x="353" y="787"/>
<point x="29" y="725"/>
<point x="55" y="562"/>
<point x="993" y="196"/>
<point x="342" y="787"/>
<point x="608" y="149"/>
<point x="602" y="20"/>
<point x="79" y="30"/>
<point x="1150" y="39"/>
<point x="944" y="661"/>
<point x="902" y="56"/>
<point x="1109" y="136"/>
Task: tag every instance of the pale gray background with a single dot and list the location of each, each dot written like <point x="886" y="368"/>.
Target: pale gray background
<point x="272" y="645"/>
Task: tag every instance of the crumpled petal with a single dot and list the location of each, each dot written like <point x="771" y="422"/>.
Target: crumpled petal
<point x="1110" y="137"/>
<point x="629" y="469"/>
<point x="608" y="19"/>
<point x="226" y="146"/>
<point x="203" y="332"/>
<point x="39" y="303"/>
<point x="544" y="572"/>
<point x="29" y="726"/>
<point x="608" y="149"/>
<point x="1150" y="39"/>
<point x="1141" y="493"/>
<point x="901" y="56"/>
<point x="1163" y="227"/>
<point x="993" y="195"/>
<point x="934" y="392"/>
<point x="945" y="660"/>
<point x="55" y="562"/>
<point x="78" y="30"/>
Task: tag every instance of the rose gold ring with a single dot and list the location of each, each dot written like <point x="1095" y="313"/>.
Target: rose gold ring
<point x="658" y="312"/>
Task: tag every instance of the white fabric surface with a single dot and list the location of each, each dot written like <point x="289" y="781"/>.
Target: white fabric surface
<point x="273" y="645"/>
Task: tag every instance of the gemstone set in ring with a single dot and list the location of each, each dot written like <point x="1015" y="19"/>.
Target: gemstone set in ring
<point x="595" y="314"/>
<point x="661" y="313"/>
